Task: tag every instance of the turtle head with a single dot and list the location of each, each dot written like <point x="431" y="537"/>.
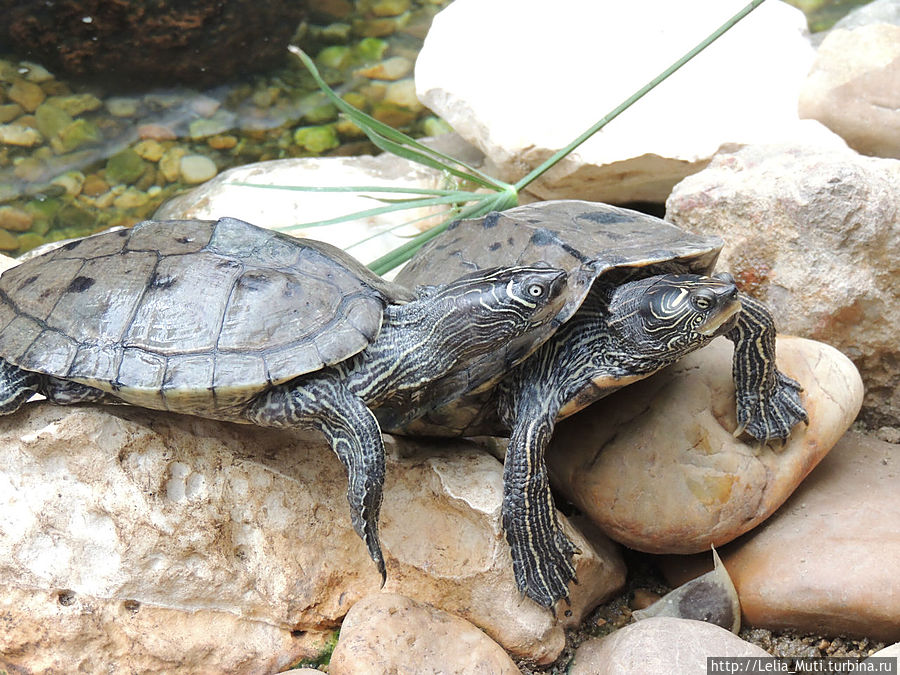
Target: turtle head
<point x="492" y="306"/>
<point x="672" y="314"/>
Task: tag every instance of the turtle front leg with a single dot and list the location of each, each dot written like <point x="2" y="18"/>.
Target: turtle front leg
<point x="768" y="401"/>
<point x="324" y="403"/>
<point x="16" y="387"/>
<point x="541" y="553"/>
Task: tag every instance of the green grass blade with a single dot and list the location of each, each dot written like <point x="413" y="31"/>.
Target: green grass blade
<point x="356" y="189"/>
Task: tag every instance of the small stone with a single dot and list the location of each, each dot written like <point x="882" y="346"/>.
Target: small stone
<point x="76" y="104"/>
<point x="157" y="132"/>
<point x="370" y="49"/>
<point x="150" y="150"/>
<point x="130" y="199"/>
<point x="356" y="99"/>
<point x="197" y="168"/>
<point x="125" y="167"/>
<point x="122" y="106"/>
<point x="335" y="56"/>
<point x="26" y="94"/>
<point x="79" y="133"/>
<point x="390" y="633"/>
<point x="403" y="93"/>
<point x="35" y="72"/>
<point x="264" y="98"/>
<point x="347" y="128"/>
<point x="393" y="115"/>
<point x="659" y="646"/>
<point x="316" y="139"/>
<point x="317" y="109"/>
<point x="94" y="185"/>
<point x="15" y="219"/>
<point x="8" y="242"/>
<point x="29" y="169"/>
<point x="435" y="126"/>
<point x="20" y="135"/>
<point x="222" y="142"/>
<point x="390" y="7"/>
<point x="51" y="120"/>
<point x="170" y="163"/>
<point x="205" y="106"/>
<point x="71" y="181"/>
<point x="30" y="240"/>
<point x="390" y="69"/>
<point x="219" y="123"/>
<point x="9" y="112"/>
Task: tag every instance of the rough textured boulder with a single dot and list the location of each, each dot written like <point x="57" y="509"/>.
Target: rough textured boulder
<point x="554" y="73"/>
<point x="143" y="535"/>
<point x="388" y="633"/>
<point x="854" y="88"/>
<point x="657" y="468"/>
<point x="659" y="646"/>
<point x="815" y="234"/>
<point x="163" y="41"/>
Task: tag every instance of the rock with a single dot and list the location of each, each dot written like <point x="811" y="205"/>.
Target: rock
<point x="15" y="219"/>
<point x="51" y="120"/>
<point x="163" y="41"/>
<point x="854" y="88"/>
<point x="197" y="169"/>
<point x="815" y="234"/>
<point x="403" y="93"/>
<point x="76" y="104"/>
<point x="793" y="572"/>
<point x="891" y="651"/>
<point x="224" y="196"/>
<point x="170" y="163"/>
<point x="390" y="69"/>
<point x="78" y="133"/>
<point x="19" y="134"/>
<point x="662" y="645"/>
<point x="150" y="150"/>
<point x="656" y="467"/>
<point x="550" y="86"/>
<point x="27" y="94"/>
<point x="316" y="139"/>
<point x="233" y="544"/>
<point x="8" y="241"/>
<point x="9" y="112"/>
<point x="125" y="167"/>
<point x="387" y="633"/>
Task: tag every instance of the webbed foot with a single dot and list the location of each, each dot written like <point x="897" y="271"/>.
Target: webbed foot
<point x="774" y="415"/>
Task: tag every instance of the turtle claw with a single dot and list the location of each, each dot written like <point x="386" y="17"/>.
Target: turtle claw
<point x="543" y="574"/>
<point x="771" y="417"/>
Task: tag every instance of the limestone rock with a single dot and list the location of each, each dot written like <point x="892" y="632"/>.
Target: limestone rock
<point x="656" y="467"/>
<point x="828" y="561"/>
<point x="145" y="534"/>
<point x="815" y="234"/>
<point x="555" y="73"/>
<point x="854" y="88"/>
<point x="281" y="208"/>
<point x="661" y="645"/>
<point x="388" y="633"/>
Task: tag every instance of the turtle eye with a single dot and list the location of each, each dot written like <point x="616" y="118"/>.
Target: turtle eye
<point x="535" y="290"/>
<point x="702" y="301"/>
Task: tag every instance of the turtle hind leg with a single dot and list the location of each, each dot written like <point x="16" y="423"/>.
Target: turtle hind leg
<point x="67" y="392"/>
<point x="768" y="401"/>
<point x="16" y="387"/>
<point x="322" y="402"/>
<point x="541" y="552"/>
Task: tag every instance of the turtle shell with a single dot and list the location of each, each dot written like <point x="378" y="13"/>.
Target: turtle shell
<point x="191" y="316"/>
<point x="589" y="239"/>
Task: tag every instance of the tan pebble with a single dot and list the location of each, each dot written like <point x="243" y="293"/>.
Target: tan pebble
<point x="222" y="142"/>
<point x="20" y="135"/>
<point x="9" y="112"/>
<point x="150" y="149"/>
<point x="15" y="219"/>
<point x="403" y="93"/>
<point x="197" y="168"/>
<point x="643" y="598"/>
<point x="26" y="94"/>
<point x="72" y="182"/>
<point x="170" y="163"/>
<point x="8" y="242"/>
<point x="156" y="132"/>
<point x="94" y="185"/>
<point x="390" y="69"/>
<point x="130" y="199"/>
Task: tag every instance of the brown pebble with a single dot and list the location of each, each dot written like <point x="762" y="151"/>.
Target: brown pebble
<point x="643" y="598"/>
<point x="8" y="242"/>
<point x="94" y="185"/>
<point x="221" y="142"/>
<point x="156" y="132"/>
<point x="15" y="219"/>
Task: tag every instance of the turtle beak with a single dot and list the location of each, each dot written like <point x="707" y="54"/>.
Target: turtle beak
<point x="725" y="319"/>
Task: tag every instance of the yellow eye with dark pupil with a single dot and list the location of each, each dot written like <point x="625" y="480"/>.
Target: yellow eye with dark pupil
<point x="701" y="302"/>
<point x="535" y="291"/>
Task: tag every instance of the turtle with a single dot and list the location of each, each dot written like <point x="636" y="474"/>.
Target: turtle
<point x="229" y="321"/>
<point x="642" y="294"/>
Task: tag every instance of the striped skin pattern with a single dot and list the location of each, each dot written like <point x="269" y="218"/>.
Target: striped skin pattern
<point x="620" y="334"/>
<point x="768" y="401"/>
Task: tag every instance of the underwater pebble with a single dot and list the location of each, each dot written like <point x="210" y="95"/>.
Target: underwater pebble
<point x="125" y="167"/>
<point x="19" y="134"/>
<point x="131" y="198"/>
<point x="9" y="112"/>
<point x="72" y="182"/>
<point x="390" y="7"/>
<point x="76" y="104"/>
<point x="403" y="93"/>
<point x="170" y="163"/>
<point x="316" y="139"/>
<point x="15" y="219"/>
<point x="94" y="185"/>
<point x="222" y="142"/>
<point x="8" y="242"/>
<point x="80" y="132"/>
<point x="150" y="150"/>
<point x="156" y="132"/>
<point x="390" y="69"/>
<point x="36" y="73"/>
<point x="26" y="94"/>
<point x="197" y="168"/>
<point x="120" y="106"/>
<point x="51" y="120"/>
